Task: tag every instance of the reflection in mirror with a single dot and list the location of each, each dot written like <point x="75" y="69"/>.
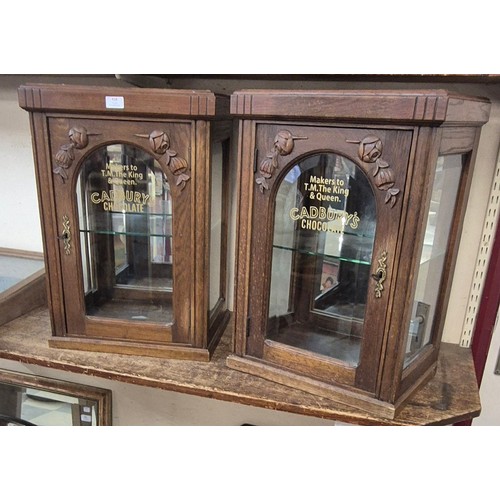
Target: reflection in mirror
<point x="16" y="268"/>
<point x="322" y="251"/>
<point x="22" y="283"/>
<point x="125" y="217"/>
<point x="32" y="400"/>
<point x="439" y="220"/>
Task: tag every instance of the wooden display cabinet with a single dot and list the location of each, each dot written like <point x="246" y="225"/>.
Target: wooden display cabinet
<point x="134" y="205"/>
<point x="350" y="212"/>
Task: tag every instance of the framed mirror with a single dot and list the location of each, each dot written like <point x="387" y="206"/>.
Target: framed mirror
<point x="29" y="400"/>
<point x="22" y="283"/>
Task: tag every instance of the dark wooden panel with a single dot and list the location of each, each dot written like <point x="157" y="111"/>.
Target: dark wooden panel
<point x="153" y="102"/>
<point x="412" y="106"/>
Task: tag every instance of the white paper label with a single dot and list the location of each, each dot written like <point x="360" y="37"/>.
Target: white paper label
<point x="115" y="102"/>
<point x="85" y="418"/>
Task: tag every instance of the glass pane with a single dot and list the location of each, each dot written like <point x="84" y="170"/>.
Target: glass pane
<point x="25" y="405"/>
<point x="437" y="232"/>
<point x="215" y="224"/>
<point x="125" y="217"/>
<point x="324" y="231"/>
<point x="14" y="269"/>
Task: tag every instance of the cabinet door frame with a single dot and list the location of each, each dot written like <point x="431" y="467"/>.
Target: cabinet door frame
<point x="259" y="222"/>
<point x="107" y="131"/>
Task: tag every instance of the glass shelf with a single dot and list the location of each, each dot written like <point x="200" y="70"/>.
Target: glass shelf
<point x="128" y="214"/>
<point x="323" y="255"/>
<point x="124" y="233"/>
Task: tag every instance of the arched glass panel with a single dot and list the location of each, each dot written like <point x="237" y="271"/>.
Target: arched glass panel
<point x="125" y="219"/>
<point x="324" y="230"/>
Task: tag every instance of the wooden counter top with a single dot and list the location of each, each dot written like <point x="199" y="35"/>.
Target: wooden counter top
<point x="451" y="396"/>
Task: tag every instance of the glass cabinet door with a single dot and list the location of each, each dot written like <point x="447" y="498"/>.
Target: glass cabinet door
<point x="324" y="229"/>
<point x="125" y="221"/>
<point x="327" y="205"/>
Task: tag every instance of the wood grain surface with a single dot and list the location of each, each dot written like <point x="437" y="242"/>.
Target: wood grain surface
<point x="450" y="396"/>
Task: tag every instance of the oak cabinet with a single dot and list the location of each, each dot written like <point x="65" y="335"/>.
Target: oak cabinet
<point x="134" y="205"/>
<point x="350" y="212"/>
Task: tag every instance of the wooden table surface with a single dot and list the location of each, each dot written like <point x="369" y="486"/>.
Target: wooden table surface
<point x="451" y="396"/>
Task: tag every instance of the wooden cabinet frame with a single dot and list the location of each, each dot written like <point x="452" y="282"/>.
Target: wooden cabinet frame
<point x="277" y="129"/>
<point x="175" y="129"/>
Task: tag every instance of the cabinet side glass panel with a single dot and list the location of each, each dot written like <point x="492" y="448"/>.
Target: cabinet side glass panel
<point x="125" y="221"/>
<point x="216" y="197"/>
<point x="437" y="232"/>
<point x="324" y="231"/>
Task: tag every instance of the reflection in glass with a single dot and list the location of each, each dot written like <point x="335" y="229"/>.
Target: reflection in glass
<point x="28" y="406"/>
<point x="215" y="224"/>
<point x="322" y="251"/>
<point x="437" y="232"/>
<point x="125" y="218"/>
<point x="14" y="269"/>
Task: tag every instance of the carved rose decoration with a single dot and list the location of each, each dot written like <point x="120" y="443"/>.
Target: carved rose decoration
<point x="159" y="142"/>
<point x="370" y="151"/>
<point x="282" y="146"/>
<point x="283" y="142"/>
<point x="79" y="139"/>
<point x="65" y="156"/>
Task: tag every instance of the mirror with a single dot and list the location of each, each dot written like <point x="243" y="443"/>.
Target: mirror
<point x="29" y="400"/>
<point x="22" y="283"/>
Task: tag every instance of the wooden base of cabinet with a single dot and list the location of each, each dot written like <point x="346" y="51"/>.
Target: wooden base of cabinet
<point x="450" y="396"/>
<point x="168" y="351"/>
<point x="347" y="396"/>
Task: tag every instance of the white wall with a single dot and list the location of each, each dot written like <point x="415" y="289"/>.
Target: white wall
<point x="19" y="215"/>
<point x="20" y="228"/>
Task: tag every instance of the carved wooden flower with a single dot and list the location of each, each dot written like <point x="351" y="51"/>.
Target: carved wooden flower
<point x="283" y="142"/>
<point x="384" y="178"/>
<point x="160" y="144"/>
<point x="159" y="141"/>
<point x="267" y="166"/>
<point x="65" y="156"/>
<point x="370" y="149"/>
<point x="79" y="137"/>
<point x="282" y="146"/>
<point x="177" y="165"/>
